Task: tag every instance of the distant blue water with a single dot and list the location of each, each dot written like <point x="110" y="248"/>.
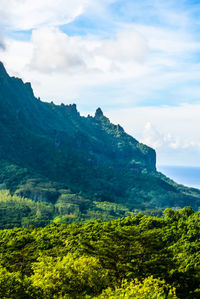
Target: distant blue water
<point x="188" y="176"/>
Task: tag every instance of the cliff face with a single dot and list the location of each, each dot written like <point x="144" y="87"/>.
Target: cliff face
<point x="63" y="125"/>
<point x="88" y="154"/>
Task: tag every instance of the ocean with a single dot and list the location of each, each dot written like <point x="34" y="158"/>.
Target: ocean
<point x="188" y="176"/>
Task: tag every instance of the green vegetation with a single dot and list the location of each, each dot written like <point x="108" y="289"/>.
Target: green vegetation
<point x="149" y="288"/>
<point x="46" y="148"/>
<point x="132" y="257"/>
<point x="39" y="203"/>
<point x="35" y="200"/>
<point x="22" y="212"/>
<point x="17" y="211"/>
<point x="61" y="175"/>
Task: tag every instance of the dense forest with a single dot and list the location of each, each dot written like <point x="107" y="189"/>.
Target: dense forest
<point x="133" y="257"/>
<point x="39" y="202"/>
<point x="16" y="211"/>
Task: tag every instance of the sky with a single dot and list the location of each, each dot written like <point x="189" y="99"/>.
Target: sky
<point x="137" y="60"/>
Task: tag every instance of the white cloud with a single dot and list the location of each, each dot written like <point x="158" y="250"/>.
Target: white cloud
<point x="54" y="50"/>
<point x="129" y="45"/>
<point x="16" y="57"/>
<point x="169" y="40"/>
<point x="172" y="131"/>
<point x="152" y="137"/>
<point x="141" y="60"/>
<point x="162" y="141"/>
<point x="26" y="14"/>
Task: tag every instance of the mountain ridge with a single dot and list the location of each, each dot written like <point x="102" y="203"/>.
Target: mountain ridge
<point x="88" y="155"/>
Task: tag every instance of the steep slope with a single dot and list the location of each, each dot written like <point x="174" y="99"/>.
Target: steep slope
<point x="88" y="155"/>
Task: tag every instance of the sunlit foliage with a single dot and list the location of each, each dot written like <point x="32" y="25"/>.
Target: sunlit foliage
<point x="132" y="257"/>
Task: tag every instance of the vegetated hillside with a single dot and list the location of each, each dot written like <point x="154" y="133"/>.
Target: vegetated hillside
<point x="86" y="165"/>
<point x="134" y="257"/>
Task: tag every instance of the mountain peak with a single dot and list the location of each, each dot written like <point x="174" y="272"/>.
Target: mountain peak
<point x="98" y="113"/>
<point x="3" y="71"/>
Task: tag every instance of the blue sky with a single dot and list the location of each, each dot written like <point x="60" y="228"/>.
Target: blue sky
<point x="138" y="60"/>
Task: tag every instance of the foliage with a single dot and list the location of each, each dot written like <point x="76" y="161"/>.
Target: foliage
<point x="149" y="288"/>
<point x="11" y="284"/>
<point x="133" y="257"/>
<point x="70" y="276"/>
<point x="17" y="211"/>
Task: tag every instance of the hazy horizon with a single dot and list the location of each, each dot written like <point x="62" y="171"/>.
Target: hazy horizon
<point x="185" y="175"/>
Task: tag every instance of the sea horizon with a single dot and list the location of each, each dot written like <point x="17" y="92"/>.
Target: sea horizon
<point x="185" y="175"/>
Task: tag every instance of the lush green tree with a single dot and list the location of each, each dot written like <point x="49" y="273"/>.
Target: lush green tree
<point x="149" y="288"/>
<point x="11" y="285"/>
<point x="72" y="276"/>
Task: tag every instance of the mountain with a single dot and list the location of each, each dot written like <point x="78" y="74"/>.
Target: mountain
<point x="49" y="152"/>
